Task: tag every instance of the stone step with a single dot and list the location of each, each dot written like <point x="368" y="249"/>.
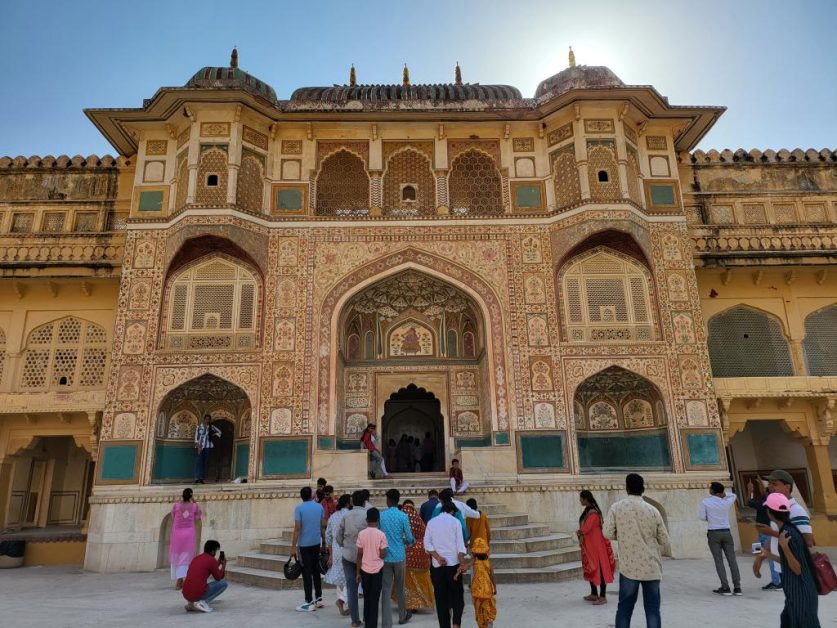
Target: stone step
<point x="508" y="519"/>
<point x="533" y="560"/>
<point x="276" y="580"/>
<point x="532" y="544"/>
<point x="276" y="547"/>
<point x="517" y="532"/>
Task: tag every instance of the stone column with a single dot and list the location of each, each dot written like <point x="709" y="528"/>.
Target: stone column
<point x="798" y="357"/>
<point x="7" y="469"/>
<point x="375" y="193"/>
<point x="193" y="156"/>
<point x="580" y="144"/>
<point x="824" y="495"/>
<point x="233" y="162"/>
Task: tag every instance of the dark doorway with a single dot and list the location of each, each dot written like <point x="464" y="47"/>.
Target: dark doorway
<point x="219" y="465"/>
<point x="413" y="412"/>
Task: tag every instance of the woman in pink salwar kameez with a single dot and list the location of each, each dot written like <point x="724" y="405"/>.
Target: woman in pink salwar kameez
<point x="184" y="536"/>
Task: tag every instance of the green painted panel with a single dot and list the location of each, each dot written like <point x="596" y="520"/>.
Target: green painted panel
<point x="484" y="441"/>
<point x="542" y="451"/>
<point x="348" y="444"/>
<point x="703" y="449"/>
<point x="242" y="459"/>
<point x="117" y="462"/>
<point x="529" y="196"/>
<point x="501" y="438"/>
<point x="662" y="194"/>
<point x="325" y="442"/>
<point x="151" y="201"/>
<point x="604" y="452"/>
<point x="174" y="461"/>
<point x="289" y="199"/>
<point x="285" y="457"/>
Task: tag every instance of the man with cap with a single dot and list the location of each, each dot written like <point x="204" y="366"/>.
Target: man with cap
<point x="780" y="481"/>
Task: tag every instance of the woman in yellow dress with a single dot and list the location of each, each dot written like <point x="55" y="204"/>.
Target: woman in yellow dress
<point x="483" y="585"/>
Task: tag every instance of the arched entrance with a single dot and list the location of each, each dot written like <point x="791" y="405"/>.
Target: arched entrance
<point x="177" y="418"/>
<point x="413" y="413"/>
<point x="621" y="423"/>
<point x="412" y="331"/>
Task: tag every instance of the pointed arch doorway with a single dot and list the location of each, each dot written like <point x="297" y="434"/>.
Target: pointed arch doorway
<point x="413" y="412"/>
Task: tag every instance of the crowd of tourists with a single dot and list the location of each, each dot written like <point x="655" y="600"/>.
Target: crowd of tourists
<point x="404" y="558"/>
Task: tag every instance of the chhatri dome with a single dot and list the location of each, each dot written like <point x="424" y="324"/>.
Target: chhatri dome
<point x="232" y="78"/>
<point x="578" y="77"/>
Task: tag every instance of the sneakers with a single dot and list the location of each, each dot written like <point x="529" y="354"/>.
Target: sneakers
<point x="737" y="591"/>
<point x="407" y="618"/>
<point x="202" y="606"/>
<point x="722" y="591"/>
<point x="772" y="587"/>
<point x="308" y="607"/>
<point x="319" y="603"/>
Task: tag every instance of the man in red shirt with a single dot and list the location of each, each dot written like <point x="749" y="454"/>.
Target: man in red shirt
<point x="197" y="591"/>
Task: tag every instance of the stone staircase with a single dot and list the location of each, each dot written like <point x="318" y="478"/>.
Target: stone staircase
<point x="520" y="552"/>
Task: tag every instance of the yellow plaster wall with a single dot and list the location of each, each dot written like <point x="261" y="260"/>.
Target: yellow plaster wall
<point x="54" y="553"/>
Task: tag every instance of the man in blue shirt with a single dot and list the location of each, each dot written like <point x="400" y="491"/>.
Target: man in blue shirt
<point x="396" y="525"/>
<point x="427" y="508"/>
<point x="305" y="546"/>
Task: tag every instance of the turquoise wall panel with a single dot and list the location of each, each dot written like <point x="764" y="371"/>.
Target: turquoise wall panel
<point x="117" y="462"/>
<point x="703" y="449"/>
<point x="662" y="194"/>
<point x="287" y="200"/>
<point x="604" y="452"/>
<point x="484" y="441"/>
<point x="529" y="196"/>
<point x="348" y="444"/>
<point x="325" y="442"/>
<point x="285" y="457"/>
<point x="151" y="201"/>
<point x="242" y="459"/>
<point x="174" y="461"/>
<point x="542" y="451"/>
<point x="501" y="438"/>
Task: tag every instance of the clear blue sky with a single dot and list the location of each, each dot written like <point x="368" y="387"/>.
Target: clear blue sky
<point x="771" y="62"/>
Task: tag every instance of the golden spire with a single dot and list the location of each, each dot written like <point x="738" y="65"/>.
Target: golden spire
<point x="572" y="57"/>
<point x="458" y="73"/>
<point x="234" y="58"/>
<point x="352" y="77"/>
<point x="405" y="76"/>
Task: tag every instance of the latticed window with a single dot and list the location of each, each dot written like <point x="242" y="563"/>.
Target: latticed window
<point x="474" y="184"/>
<point x="603" y="172"/>
<point x="744" y="342"/>
<point x="606" y="298"/>
<point x="213" y="163"/>
<point x="250" y="183"/>
<point x="53" y="222"/>
<point x="342" y="185"/>
<point x="820" y="344"/>
<point x="565" y="177"/>
<point x="409" y="185"/>
<point x="67" y="353"/>
<point x="212" y="305"/>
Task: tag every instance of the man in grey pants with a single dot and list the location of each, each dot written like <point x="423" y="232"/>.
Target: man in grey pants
<point x="396" y="525"/>
<point x="715" y="511"/>
<point x="346" y="536"/>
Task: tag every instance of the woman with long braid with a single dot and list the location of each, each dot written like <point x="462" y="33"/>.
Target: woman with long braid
<point x="597" y="561"/>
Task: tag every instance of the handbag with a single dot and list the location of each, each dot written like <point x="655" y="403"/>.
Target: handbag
<point x="323" y="562"/>
<point x="826" y="579"/>
<point x="292" y="570"/>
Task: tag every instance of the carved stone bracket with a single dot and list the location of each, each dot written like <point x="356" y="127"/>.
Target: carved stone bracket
<point x="825" y="419"/>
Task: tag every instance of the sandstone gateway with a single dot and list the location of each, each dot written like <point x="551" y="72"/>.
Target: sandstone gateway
<point x="558" y="288"/>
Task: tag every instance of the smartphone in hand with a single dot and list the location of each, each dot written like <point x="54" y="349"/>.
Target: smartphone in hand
<point x="222" y="557"/>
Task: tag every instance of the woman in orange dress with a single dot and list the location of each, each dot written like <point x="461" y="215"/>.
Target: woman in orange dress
<point x="417" y="583"/>
<point x="597" y="561"/>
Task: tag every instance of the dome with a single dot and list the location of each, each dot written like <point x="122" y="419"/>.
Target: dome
<point x="578" y="77"/>
<point x="232" y="78"/>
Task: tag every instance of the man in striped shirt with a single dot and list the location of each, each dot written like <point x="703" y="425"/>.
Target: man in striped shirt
<point x="203" y="443"/>
<point x="781" y="481"/>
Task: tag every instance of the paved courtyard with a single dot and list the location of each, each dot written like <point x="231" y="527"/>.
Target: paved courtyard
<point x="57" y="597"/>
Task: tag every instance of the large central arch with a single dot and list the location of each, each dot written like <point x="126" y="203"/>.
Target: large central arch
<point x="329" y="390"/>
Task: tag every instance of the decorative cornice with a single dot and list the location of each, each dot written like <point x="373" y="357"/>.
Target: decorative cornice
<point x="62" y="162"/>
<point x="756" y="157"/>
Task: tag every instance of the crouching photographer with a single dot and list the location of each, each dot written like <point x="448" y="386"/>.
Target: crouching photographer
<point x="197" y="591"/>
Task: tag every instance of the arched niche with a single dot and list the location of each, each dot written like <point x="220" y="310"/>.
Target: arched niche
<point x="746" y="342"/>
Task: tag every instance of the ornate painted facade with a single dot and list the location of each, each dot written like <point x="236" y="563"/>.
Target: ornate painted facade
<point x="553" y="273"/>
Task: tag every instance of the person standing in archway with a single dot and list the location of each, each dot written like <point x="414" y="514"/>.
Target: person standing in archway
<point x="369" y="442"/>
<point x="428" y="451"/>
<point x="184" y="536"/>
<point x="204" y="434"/>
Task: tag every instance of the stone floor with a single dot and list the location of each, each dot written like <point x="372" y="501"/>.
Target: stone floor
<point x="58" y="597"/>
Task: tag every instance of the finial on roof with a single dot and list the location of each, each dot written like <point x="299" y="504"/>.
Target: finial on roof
<point x="458" y="77"/>
<point x="352" y="77"/>
<point x="405" y="76"/>
<point x="234" y="58"/>
<point x="572" y="57"/>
